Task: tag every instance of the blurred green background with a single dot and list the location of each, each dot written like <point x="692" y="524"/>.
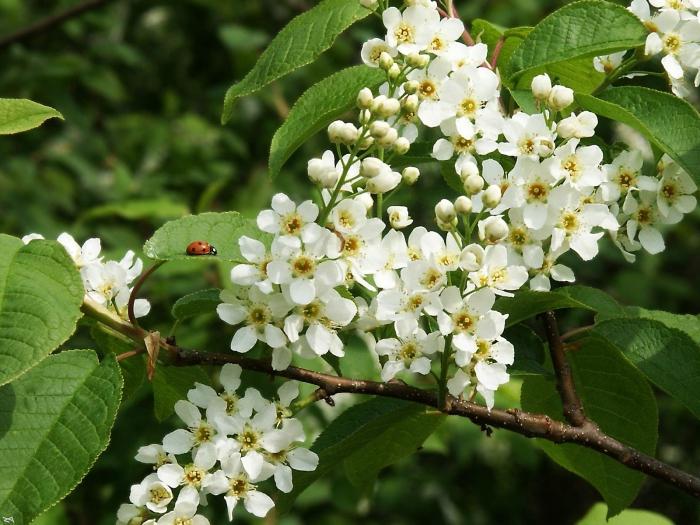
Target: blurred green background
<point x="141" y="85"/>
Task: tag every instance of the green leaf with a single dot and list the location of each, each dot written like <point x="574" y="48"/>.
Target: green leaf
<point x="317" y="107"/>
<point x="396" y="442"/>
<point x="529" y="351"/>
<point x="598" y="516"/>
<point x="357" y="427"/>
<point x="577" y="73"/>
<point x="690" y="324"/>
<point x="527" y="303"/>
<point x="671" y="124"/>
<point x="618" y="398"/>
<point x="359" y="361"/>
<point x="201" y="302"/>
<point x="299" y="43"/>
<point x="171" y="383"/>
<point x="19" y="114"/>
<point x="55" y="421"/>
<point x="221" y="230"/>
<point x="40" y="297"/>
<point x="139" y="209"/>
<point x="581" y="29"/>
<point x="670" y="358"/>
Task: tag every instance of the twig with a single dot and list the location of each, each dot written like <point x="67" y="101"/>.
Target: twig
<point x="466" y="36"/>
<point x="135" y="291"/>
<point x="51" y="21"/>
<point x="497" y="52"/>
<point x="576" y="331"/>
<point x="524" y="423"/>
<point x="573" y="410"/>
<point x="130" y="353"/>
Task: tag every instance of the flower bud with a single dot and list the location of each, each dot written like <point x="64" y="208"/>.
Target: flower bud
<point x="447" y="226"/>
<point x="335" y="131"/>
<point x="378" y="101"/>
<point x="365" y="116"/>
<point x="410" y="104"/>
<point x="402" y="145"/>
<point x="366" y="200"/>
<point x="445" y="211"/>
<point x="463" y="205"/>
<point x="394" y="71"/>
<point x="541" y="86"/>
<point x="322" y="173"/>
<point x="399" y="217"/>
<point x="369" y="4"/>
<point x="471" y="258"/>
<point x="349" y="133"/>
<point x="388" y="140"/>
<point x="410" y="175"/>
<point x="492" y="230"/>
<point x="379" y="128"/>
<point x="365" y="98"/>
<point x="417" y="60"/>
<point x="560" y="97"/>
<point x="385" y="61"/>
<point x="411" y="86"/>
<point x="365" y="143"/>
<point x="492" y="196"/>
<point x="389" y="107"/>
<point x="371" y="167"/>
<point x="387" y="180"/>
<point x="473" y="184"/>
<point x="467" y="169"/>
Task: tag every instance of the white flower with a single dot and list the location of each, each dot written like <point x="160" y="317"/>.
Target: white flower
<point x="408" y="350"/>
<point x="185" y="511"/>
<point x="236" y="485"/>
<point x="154" y="454"/>
<point x="88" y="253"/>
<point x="321" y="318"/>
<point x="644" y="221"/>
<point x="399" y="217"/>
<point x="200" y="433"/>
<point x="151" y="493"/>
<point x="258" y="312"/>
<point x="497" y="274"/>
<point x="623" y="175"/>
<point x="192" y="475"/>
<point x="678" y="39"/>
<point x="431" y="78"/>
<point x="255" y="273"/>
<point x="286" y="218"/>
<point x="461" y="315"/>
<point x="372" y="50"/>
<point x="528" y="136"/>
<point x="577" y="165"/>
<point x="410" y="31"/>
<point x="549" y="269"/>
<point x="532" y="184"/>
<point x="302" y="269"/>
<point x="444" y="35"/>
<point x="675" y="192"/>
<point x="466" y="57"/>
<point x="32" y="237"/>
<point x="608" y="63"/>
<point x="391" y="255"/>
<point x="578" y="126"/>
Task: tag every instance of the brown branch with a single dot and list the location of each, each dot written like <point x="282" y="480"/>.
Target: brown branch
<point x="573" y="409"/>
<point x="497" y="52"/>
<point x="135" y="291"/>
<point x="50" y="22"/>
<point x="524" y="423"/>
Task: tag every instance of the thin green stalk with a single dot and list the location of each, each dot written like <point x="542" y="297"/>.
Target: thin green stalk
<point x="444" y="368"/>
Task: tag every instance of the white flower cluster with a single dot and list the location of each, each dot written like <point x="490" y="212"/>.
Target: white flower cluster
<point x="534" y="189"/>
<point x="674" y="27"/>
<point x="108" y="283"/>
<point x="231" y="444"/>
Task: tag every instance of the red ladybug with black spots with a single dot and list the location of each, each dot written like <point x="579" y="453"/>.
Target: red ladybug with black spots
<point x="200" y="248"/>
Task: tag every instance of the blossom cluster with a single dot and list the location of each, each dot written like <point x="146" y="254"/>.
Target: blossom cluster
<point x="108" y="283"/>
<point x="231" y="444"/>
<point x="674" y="33"/>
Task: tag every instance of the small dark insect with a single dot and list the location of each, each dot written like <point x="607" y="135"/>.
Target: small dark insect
<point x="200" y="248"/>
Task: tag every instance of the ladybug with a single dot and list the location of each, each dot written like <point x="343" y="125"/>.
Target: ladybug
<point x="200" y="248"/>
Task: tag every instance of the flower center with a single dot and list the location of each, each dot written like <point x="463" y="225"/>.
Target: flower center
<point x="645" y="216"/>
<point x="311" y="311"/>
<point x="376" y="52"/>
<point x="158" y="494"/>
<point x="182" y="521"/>
<point x="518" y="236"/>
<point x="231" y="403"/>
<point x="404" y="33"/>
<point x="239" y="487"/>
<point x="672" y="43"/>
<point x="569" y="221"/>
<point x="346" y="219"/>
<point x="669" y="191"/>
<point x="292" y="224"/>
<point x="498" y="276"/>
<point x="626" y="178"/>
<point x="427" y="89"/>
<point x="414" y="302"/>
<point x="431" y="278"/>
<point x="203" y="433"/>
<point x="462" y="145"/>
<point x="437" y="44"/>
<point x="527" y="145"/>
<point x="483" y="348"/>
<point x="352" y="246"/>
<point x="248" y="439"/>
<point x="259" y="315"/>
<point x="537" y="191"/>
<point x="468" y="107"/>
<point x="303" y="266"/>
<point x="572" y="166"/>
<point x="408" y="351"/>
<point x="463" y="321"/>
<point x="194" y="476"/>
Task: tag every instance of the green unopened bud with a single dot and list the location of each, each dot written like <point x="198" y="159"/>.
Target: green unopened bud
<point x="463" y="205"/>
<point x="410" y="175"/>
<point x="385" y="61"/>
<point x="365" y="98"/>
<point x="417" y="60"/>
<point x="411" y="86"/>
<point x="402" y="145"/>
